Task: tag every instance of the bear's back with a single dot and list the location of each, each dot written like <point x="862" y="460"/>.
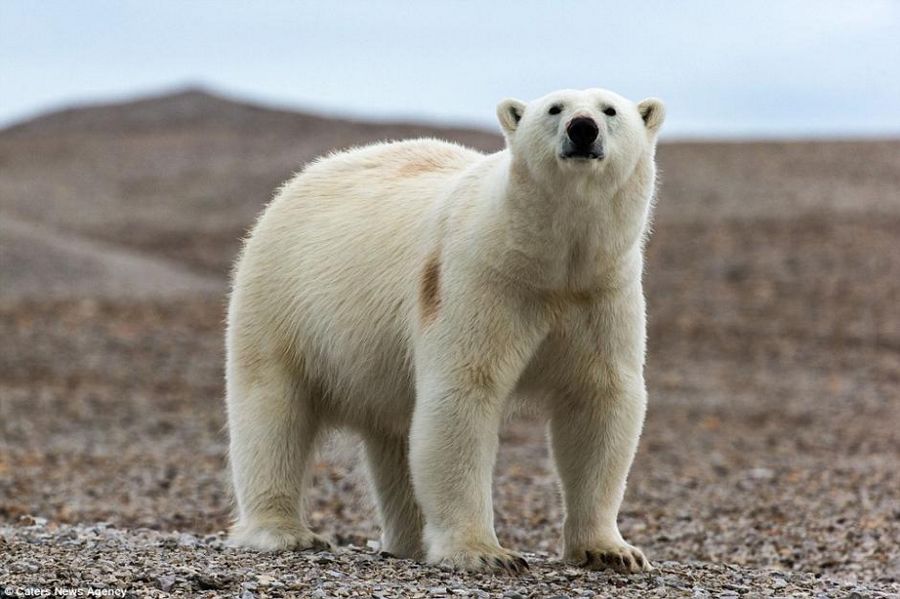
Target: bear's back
<point x="394" y="161"/>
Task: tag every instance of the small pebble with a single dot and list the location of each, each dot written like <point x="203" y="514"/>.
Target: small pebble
<point x="165" y="583"/>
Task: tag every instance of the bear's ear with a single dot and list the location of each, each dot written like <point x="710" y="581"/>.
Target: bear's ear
<point x="653" y="112"/>
<point x="509" y="113"/>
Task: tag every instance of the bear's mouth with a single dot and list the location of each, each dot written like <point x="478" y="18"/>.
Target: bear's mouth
<point x="583" y="155"/>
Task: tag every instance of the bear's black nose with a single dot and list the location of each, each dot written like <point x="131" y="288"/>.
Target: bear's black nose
<point x="582" y="131"/>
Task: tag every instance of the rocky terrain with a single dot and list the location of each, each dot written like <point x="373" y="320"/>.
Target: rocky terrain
<point x="770" y="462"/>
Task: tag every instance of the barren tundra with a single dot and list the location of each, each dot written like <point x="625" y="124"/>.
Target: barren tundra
<point x="768" y="465"/>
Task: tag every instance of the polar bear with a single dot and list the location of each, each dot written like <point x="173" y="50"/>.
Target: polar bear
<point x="417" y="292"/>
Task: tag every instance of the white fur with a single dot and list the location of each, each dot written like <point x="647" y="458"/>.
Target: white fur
<point x="409" y="291"/>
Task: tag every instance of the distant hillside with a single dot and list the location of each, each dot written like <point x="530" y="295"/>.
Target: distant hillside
<point x="179" y="177"/>
<point x="202" y="110"/>
<point x="173" y="182"/>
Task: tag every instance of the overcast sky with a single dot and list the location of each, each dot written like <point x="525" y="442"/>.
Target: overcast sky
<point x="756" y="68"/>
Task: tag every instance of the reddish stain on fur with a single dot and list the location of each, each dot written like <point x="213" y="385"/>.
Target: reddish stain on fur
<point x="480" y="377"/>
<point x="430" y="289"/>
<point x="436" y="160"/>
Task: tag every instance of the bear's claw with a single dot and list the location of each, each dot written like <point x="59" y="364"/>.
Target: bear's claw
<point x="486" y="559"/>
<point x="280" y="539"/>
<point x="514" y="564"/>
<point x="624" y="560"/>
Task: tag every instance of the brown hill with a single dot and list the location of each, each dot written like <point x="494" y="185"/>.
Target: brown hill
<point x="178" y="176"/>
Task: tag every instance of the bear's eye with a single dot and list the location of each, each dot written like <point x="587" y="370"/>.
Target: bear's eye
<point x="555" y="109"/>
<point x="609" y="111"/>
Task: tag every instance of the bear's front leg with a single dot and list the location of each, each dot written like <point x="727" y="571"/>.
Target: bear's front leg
<point x="594" y="444"/>
<point x="595" y="425"/>
<point x="468" y="359"/>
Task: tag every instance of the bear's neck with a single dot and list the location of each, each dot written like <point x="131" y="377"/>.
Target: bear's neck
<point x="574" y="234"/>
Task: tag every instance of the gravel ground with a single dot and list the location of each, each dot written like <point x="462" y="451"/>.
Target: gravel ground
<point x="144" y="562"/>
<point x="769" y="462"/>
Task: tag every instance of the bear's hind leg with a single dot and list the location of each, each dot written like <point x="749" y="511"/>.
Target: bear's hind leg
<point x="273" y="431"/>
<point x="401" y="518"/>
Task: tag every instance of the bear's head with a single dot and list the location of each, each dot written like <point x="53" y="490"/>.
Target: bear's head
<point x="593" y="133"/>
